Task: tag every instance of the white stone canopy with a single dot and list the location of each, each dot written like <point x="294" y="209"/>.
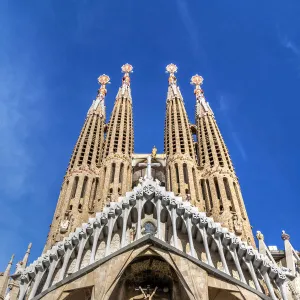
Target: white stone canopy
<point x="176" y="222"/>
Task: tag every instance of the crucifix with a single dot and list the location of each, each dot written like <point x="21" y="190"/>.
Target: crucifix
<point x="148" y="295"/>
<point x="149" y="164"/>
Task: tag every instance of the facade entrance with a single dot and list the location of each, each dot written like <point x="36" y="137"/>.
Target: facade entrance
<point x="149" y="278"/>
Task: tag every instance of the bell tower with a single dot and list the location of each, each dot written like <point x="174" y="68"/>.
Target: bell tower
<point x="219" y="186"/>
<point x="179" y="146"/>
<point x="118" y="148"/>
<point x="80" y="193"/>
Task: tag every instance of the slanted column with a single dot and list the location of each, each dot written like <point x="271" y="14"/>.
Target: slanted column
<point x="111" y="222"/>
<point x="83" y="239"/>
<point x="158" y="210"/>
<point x="173" y="207"/>
<point x="202" y="227"/>
<point x="217" y="238"/>
<point x="139" y="209"/>
<point x="188" y="223"/>
<point x="125" y="219"/>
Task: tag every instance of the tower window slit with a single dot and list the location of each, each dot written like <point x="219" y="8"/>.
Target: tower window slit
<point x="195" y="184"/>
<point x="96" y="188"/>
<point x="204" y="194"/>
<point x="113" y="170"/>
<point x="84" y="187"/>
<point x="209" y="193"/>
<point x="239" y="200"/>
<point x="185" y="174"/>
<point x="170" y="179"/>
<point x="74" y="187"/>
<point x="217" y="188"/>
<point x="121" y="173"/>
<point x="227" y="188"/>
<point x="177" y="178"/>
<point x="90" y="203"/>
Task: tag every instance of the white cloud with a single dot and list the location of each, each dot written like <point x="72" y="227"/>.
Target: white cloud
<point x="239" y="145"/>
<point x="23" y="117"/>
<point x="188" y="22"/>
<point x="226" y="106"/>
<point x="20" y="114"/>
<point x="290" y="45"/>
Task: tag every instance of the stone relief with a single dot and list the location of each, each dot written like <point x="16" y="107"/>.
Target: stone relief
<point x="64" y="225"/>
<point x="237" y="225"/>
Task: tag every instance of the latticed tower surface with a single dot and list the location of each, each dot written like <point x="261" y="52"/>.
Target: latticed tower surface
<point x="80" y="191"/>
<point x="118" y="148"/>
<point x="179" y="146"/>
<point x="219" y="186"/>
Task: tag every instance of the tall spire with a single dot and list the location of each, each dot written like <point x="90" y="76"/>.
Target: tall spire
<point x="80" y="191"/>
<point x="4" y="278"/>
<point x="118" y="146"/>
<point x="220" y="190"/>
<point x="179" y="148"/>
<point x="26" y="256"/>
<point x="202" y="107"/>
<point x="98" y="105"/>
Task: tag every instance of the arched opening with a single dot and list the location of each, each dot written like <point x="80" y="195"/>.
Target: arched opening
<point x="151" y="276"/>
<point x="84" y="187"/>
<point x="177" y="178"/>
<point x="74" y="187"/>
<point x="113" y="169"/>
<point x="227" y="188"/>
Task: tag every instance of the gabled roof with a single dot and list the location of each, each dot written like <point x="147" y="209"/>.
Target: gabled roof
<point x="39" y="276"/>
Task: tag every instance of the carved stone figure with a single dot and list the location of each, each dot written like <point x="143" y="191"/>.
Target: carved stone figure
<point x="154" y="151"/>
<point x="64" y="225"/>
<point x="237" y="225"/>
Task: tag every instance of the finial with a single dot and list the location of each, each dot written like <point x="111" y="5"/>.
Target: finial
<point x="126" y="69"/>
<point x="172" y="69"/>
<point x="197" y="81"/>
<point x="103" y="80"/>
<point x="259" y="236"/>
<point x="154" y="151"/>
<point x="285" y="236"/>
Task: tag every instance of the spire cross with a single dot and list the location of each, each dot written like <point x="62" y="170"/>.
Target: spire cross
<point x="172" y="69"/>
<point x="149" y="165"/>
<point x="197" y="81"/>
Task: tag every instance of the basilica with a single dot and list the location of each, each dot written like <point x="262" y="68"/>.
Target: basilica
<point x="169" y="225"/>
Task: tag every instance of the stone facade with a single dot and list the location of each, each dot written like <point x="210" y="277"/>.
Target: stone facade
<point x="152" y="226"/>
<point x="189" y="243"/>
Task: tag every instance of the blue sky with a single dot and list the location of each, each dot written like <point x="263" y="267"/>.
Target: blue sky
<point x="53" y="51"/>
